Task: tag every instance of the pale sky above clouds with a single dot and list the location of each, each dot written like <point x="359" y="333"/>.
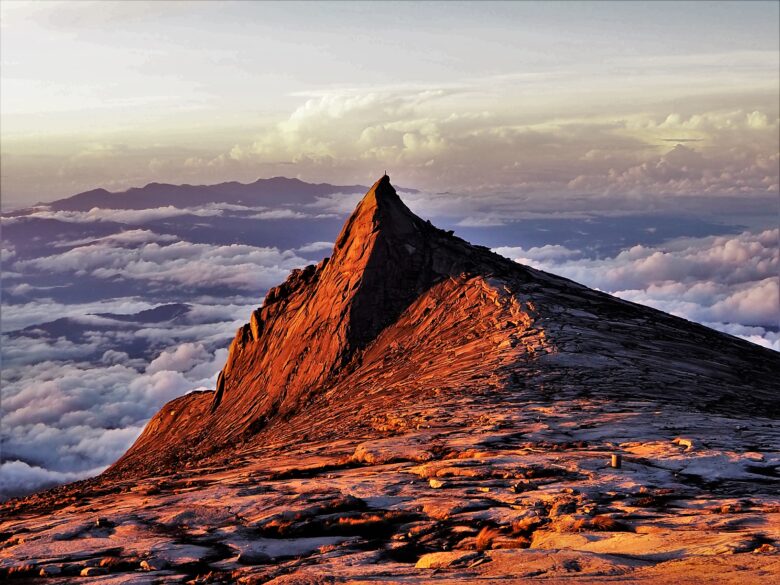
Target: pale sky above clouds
<point x="566" y="99"/>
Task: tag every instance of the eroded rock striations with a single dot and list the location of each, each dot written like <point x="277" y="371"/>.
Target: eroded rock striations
<point x="418" y="409"/>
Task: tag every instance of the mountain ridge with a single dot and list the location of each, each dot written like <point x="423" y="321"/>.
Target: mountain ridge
<point x="263" y="191"/>
<point x="318" y="331"/>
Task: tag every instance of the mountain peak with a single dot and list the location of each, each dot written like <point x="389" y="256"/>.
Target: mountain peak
<point x="382" y="195"/>
<point x="383" y="259"/>
<point x="405" y="311"/>
<point x="381" y="209"/>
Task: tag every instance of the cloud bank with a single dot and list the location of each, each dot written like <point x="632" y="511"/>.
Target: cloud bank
<point x="729" y="283"/>
<point x="461" y="138"/>
<point x="165" y="264"/>
<point x="64" y="418"/>
<point x="432" y="143"/>
<point x="72" y="404"/>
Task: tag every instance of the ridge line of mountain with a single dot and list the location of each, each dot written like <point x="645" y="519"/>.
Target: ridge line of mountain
<point x="271" y="190"/>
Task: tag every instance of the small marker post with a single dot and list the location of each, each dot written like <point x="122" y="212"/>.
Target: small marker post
<point x="616" y="461"/>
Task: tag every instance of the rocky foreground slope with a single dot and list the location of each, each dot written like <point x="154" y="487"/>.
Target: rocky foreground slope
<point x="418" y="409"/>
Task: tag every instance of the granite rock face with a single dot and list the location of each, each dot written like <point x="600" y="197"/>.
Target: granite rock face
<point x="418" y="409"/>
<point x="401" y="304"/>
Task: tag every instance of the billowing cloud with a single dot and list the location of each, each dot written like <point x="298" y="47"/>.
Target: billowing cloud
<point x="422" y="136"/>
<point x="179" y="359"/>
<point x="7" y="252"/>
<point x="314" y="247"/>
<point x="128" y="216"/>
<point x="123" y="238"/>
<point x="461" y="139"/>
<point x="18" y="477"/>
<point x="43" y="310"/>
<point x="728" y="282"/>
<point x="280" y="214"/>
<point x="482" y="221"/>
<point x="172" y="264"/>
<point x="64" y="418"/>
<point x="71" y="417"/>
<point x="538" y="254"/>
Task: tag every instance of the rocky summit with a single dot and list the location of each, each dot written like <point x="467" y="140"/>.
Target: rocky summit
<point x="417" y="409"/>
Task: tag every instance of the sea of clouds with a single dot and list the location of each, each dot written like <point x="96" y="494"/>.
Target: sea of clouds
<point x="729" y="283"/>
<point x="72" y="406"/>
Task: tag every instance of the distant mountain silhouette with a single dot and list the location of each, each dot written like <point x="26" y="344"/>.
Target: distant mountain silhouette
<point x="155" y="315"/>
<point x="79" y="330"/>
<point x="266" y="192"/>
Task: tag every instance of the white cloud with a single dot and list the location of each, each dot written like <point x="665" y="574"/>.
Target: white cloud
<point x="759" y="303"/>
<point x="111" y="357"/>
<point x="123" y="238"/>
<point x="315" y="247"/>
<point x="280" y="214"/>
<point x="161" y="386"/>
<point x="420" y="135"/>
<point x="728" y="280"/>
<point x="547" y="253"/>
<point x="73" y="419"/>
<point x="63" y="418"/>
<point x="174" y="264"/>
<point x="43" y="310"/>
<point x="29" y="350"/>
<point x="481" y="221"/>
<point x="757" y="335"/>
<point x="7" y="252"/>
<point x="17" y="477"/>
<point x="182" y="358"/>
<point x="126" y="216"/>
<point x="340" y="203"/>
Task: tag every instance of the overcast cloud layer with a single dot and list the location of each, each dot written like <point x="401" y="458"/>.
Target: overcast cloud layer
<point x="729" y="283"/>
<point x="78" y="383"/>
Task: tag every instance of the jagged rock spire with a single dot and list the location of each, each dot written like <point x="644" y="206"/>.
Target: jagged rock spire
<point x="313" y="324"/>
<point x="380" y="210"/>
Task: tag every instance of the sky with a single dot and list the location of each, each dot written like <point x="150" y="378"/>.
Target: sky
<point x="646" y="100"/>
